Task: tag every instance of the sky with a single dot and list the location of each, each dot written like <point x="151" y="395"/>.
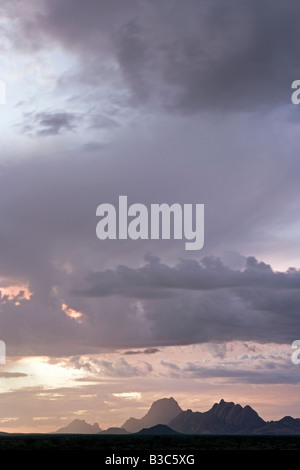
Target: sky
<point x="164" y="102"/>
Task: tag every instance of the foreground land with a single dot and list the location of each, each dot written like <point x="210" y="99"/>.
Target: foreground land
<point x="109" y="444"/>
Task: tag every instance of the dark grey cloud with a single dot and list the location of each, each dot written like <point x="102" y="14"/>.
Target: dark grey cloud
<point x="239" y="375"/>
<point x="143" y="351"/>
<point x="118" y="368"/>
<point x="12" y="375"/>
<point x="211" y="55"/>
<point x="189" y="56"/>
<point x="241" y="56"/>
<point x="244" y="371"/>
<point x="52" y="123"/>
<point x="209" y="274"/>
<point x="49" y="123"/>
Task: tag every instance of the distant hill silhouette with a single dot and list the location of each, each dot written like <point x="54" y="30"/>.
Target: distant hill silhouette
<point x="284" y="426"/>
<point x="158" y="430"/>
<point x="79" y="426"/>
<point x="161" y="412"/>
<point x="114" y="431"/>
<point x="165" y="417"/>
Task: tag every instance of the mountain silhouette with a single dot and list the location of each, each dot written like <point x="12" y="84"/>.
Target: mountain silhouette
<point x="79" y="426"/>
<point x="114" y="430"/>
<point x="158" y="430"/>
<point x="161" y="412"/>
<point x="284" y="426"/>
<point x="165" y="417"/>
<point x="245" y="418"/>
<point x="222" y="418"/>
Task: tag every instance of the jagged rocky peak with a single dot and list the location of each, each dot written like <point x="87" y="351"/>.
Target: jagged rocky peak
<point x="236" y="415"/>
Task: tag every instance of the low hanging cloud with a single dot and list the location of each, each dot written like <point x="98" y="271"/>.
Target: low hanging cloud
<point x="143" y="351"/>
<point x="256" y="369"/>
<point x="103" y="368"/>
<point x="43" y="124"/>
<point x="206" y="301"/>
<point x="203" y="302"/>
<point x="12" y="375"/>
<point x="209" y="274"/>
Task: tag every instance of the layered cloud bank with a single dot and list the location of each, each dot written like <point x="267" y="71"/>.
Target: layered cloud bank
<point x="156" y="305"/>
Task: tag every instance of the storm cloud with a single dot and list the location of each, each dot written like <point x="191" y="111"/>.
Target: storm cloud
<point x="159" y="305"/>
<point x="163" y="102"/>
<point x="186" y="57"/>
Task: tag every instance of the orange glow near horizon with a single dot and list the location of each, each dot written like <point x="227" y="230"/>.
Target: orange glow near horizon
<point x="55" y="391"/>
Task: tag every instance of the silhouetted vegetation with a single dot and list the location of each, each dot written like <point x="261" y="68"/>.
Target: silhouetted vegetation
<point x="117" y="443"/>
